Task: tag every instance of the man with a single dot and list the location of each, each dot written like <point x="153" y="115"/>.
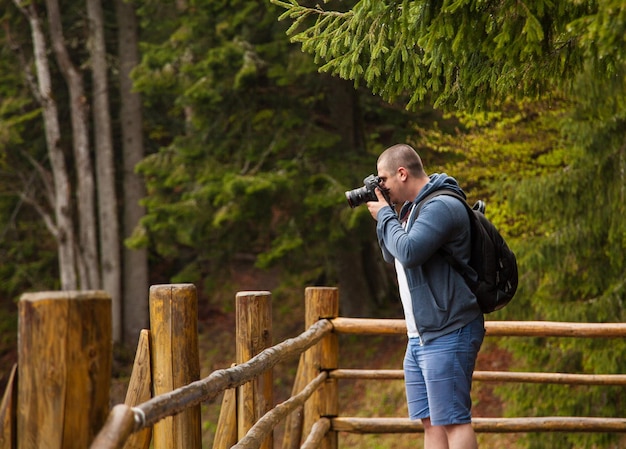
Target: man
<point x="444" y="322"/>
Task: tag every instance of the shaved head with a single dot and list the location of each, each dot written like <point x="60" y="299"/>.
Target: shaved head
<point x="402" y="155"/>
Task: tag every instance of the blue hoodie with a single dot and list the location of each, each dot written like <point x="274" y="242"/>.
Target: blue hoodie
<point x="441" y="300"/>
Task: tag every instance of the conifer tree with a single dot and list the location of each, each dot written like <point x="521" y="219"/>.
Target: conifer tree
<point x="249" y="152"/>
<point x="463" y="53"/>
<point x="474" y="56"/>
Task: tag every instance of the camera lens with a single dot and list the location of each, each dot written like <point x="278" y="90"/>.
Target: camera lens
<point x="360" y="196"/>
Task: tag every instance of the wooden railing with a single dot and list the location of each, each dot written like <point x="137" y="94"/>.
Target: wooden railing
<point x="491" y="425"/>
<point x="166" y="362"/>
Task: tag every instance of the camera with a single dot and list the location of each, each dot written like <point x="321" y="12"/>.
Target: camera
<point x="366" y="193"/>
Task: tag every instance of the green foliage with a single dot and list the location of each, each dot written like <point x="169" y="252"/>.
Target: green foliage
<point x="583" y="223"/>
<point x="463" y="54"/>
<point x="496" y="149"/>
<point x="27" y="250"/>
<point x="561" y="168"/>
<point x="575" y="263"/>
<point x="553" y="180"/>
<point x="246" y="158"/>
<point x="248" y="155"/>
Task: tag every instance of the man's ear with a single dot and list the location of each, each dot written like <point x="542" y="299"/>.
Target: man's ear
<point x="404" y="174"/>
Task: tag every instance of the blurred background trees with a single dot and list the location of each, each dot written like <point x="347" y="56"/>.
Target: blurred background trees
<point x="63" y="136"/>
<point x="227" y="147"/>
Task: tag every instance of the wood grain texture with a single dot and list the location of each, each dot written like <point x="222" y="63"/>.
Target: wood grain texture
<point x="253" y="311"/>
<point x="321" y="303"/>
<point x="64" y="367"/>
<point x="140" y="389"/>
<point x="175" y="360"/>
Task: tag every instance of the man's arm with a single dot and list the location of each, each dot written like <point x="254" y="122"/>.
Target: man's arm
<point x="436" y="225"/>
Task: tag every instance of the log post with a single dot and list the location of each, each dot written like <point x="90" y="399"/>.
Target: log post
<point x="140" y="389"/>
<point x="64" y="368"/>
<point x="322" y="302"/>
<point x="253" y="334"/>
<point x="293" y="424"/>
<point x="226" y="431"/>
<point x="175" y="360"/>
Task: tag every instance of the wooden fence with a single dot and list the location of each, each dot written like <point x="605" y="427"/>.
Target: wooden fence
<point x="58" y="393"/>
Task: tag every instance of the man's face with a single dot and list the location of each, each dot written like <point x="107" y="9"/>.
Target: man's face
<point x="391" y="182"/>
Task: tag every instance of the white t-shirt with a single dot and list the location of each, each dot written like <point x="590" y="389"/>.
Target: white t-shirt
<point x="407" y="304"/>
<point x="405" y="297"/>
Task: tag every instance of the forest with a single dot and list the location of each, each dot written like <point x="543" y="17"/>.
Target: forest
<point x="206" y="141"/>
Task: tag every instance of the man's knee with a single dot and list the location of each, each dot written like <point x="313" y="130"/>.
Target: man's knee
<point x="461" y="436"/>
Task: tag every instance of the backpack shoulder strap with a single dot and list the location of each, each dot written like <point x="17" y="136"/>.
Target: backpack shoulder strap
<point x="462" y="268"/>
<point x="447" y="192"/>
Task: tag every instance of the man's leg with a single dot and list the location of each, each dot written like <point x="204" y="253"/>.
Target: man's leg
<point x="448" y="366"/>
<point x="461" y="436"/>
<point x="435" y="437"/>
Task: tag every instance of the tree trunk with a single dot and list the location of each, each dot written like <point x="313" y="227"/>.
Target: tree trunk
<point x="63" y="229"/>
<point x="135" y="304"/>
<point x="356" y="296"/>
<point x="110" y="264"/>
<point x="87" y="247"/>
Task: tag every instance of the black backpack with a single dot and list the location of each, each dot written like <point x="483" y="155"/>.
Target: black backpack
<point x="491" y="258"/>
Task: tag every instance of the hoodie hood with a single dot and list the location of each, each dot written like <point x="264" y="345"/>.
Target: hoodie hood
<point x="438" y="181"/>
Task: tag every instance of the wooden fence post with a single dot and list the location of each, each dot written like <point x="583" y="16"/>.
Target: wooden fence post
<point x="64" y="368"/>
<point x="321" y="302"/>
<point x="140" y="389"/>
<point x="253" y="334"/>
<point x="226" y="430"/>
<point x="175" y="360"/>
<point x="293" y="424"/>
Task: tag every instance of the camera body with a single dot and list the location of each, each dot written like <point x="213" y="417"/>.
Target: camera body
<point x="366" y="193"/>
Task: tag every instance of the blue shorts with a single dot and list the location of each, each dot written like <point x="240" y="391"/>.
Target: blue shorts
<point x="438" y="375"/>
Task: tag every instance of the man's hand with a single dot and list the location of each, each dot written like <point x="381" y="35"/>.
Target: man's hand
<point x="375" y="206"/>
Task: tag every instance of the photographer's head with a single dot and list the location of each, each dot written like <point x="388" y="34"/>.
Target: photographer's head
<point x="401" y="172"/>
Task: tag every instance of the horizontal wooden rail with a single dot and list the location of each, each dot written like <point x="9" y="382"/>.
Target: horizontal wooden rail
<point x="551" y="378"/>
<point x="376" y="326"/>
<point x="554" y="329"/>
<point x="368" y="326"/>
<point x="494" y="376"/>
<point x="374" y="374"/>
<point x="484" y="425"/>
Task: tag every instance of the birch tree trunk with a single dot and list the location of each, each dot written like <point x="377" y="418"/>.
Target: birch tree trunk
<point x="62" y="228"/>
<point x="87" y="246"/>
<point x="110" y="264"/>
<point x="135" y="281"/>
